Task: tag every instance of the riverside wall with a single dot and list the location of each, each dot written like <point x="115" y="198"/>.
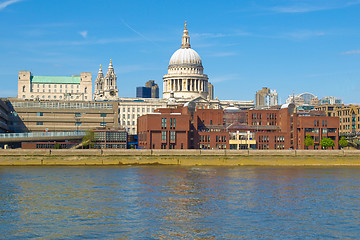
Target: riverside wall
<point x="38" y="157"/>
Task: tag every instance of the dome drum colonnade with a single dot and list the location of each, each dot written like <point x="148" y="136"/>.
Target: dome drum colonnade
<point x="185" y="76"/>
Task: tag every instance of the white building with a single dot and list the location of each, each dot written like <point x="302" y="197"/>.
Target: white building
<point x="185" y="76"/>
<point x="271" y="99"/>
<point x="74" y="88"/>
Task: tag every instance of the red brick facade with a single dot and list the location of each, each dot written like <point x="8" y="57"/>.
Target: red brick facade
<point x="181" y="129"/>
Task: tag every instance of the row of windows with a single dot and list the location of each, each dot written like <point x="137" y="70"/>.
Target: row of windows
<point x="164" y="123"/>
<point x="40" y="114"/>
<point x="63" y="105"/>
<point x="54" y="97"/>
<point x="103" y="124"/>
<point x="204" y="138"/>
<point x="60" y="91"/>
<point x="138" y="109"/>
<point x="263" y="138"/>
<point x="220" y="138"/>
<point x="55" y="85"/>
<point x="256" y="115"/>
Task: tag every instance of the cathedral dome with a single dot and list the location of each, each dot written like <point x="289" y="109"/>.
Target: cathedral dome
<point x="185" y="56"/>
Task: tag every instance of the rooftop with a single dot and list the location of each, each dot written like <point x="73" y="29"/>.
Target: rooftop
<point x="55" y="79"/>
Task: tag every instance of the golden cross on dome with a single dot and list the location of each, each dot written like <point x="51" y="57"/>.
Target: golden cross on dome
<point x="185" y="25"/>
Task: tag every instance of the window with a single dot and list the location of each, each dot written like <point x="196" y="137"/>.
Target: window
<point x="163" y="136"/>
<point x="103" y="115"/>
<point x="174" y="123"/>
<point x="172" y="136"/>
<point x="165" y="122"/>
<point x="39" y="123"/>
<point x="103" y="124"/>
<point x="79" y="124"/>
<point x="39" y="114"/>
<point x="210" y="122"/>
<point x="162" y="123"/>
<point x="77" y="114"/>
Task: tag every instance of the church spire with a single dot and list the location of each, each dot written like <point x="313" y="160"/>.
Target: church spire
<point x="100" y="70"/>
<point x="185" y="43"/>
<point x="110" y="64"/>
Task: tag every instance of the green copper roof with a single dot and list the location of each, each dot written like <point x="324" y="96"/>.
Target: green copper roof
<point x="55" y="79"/>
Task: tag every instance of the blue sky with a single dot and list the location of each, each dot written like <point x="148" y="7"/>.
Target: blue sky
<point x="301" y="46"/>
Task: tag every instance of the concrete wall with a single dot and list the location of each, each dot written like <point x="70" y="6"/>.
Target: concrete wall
<point x="21" y="157"/>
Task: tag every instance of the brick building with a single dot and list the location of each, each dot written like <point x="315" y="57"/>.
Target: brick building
<point x="286" y="128"/>
<point x="181" y="128"/>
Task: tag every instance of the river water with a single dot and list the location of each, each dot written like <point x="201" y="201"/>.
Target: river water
<point x="172" y="202"/>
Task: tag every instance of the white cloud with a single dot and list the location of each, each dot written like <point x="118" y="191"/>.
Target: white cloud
<point x="84" y="34"/>
<point x="305" y="34"/>
<point x="352" y="52"/>
<point x="224" y="78"/>
<point x="7" y="3"/>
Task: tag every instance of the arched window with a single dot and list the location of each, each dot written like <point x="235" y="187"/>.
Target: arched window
<point x="23" y="88"/>
<point x="86" y="90"/>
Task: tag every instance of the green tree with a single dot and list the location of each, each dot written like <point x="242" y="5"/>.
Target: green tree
<point x="327" y="142"/>
<point x="57" y="145"/>
<point x="309" y="141"/>
<point x="343" y="142"/>
<point x="88" y="139"/>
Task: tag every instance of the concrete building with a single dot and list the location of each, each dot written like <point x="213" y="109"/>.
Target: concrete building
<point x="266" y="97"/>
<point x="330" y="101"/>
<point x="63" y="116"/>
<point x="129" y="109"/>
<point x="74" y="88"/>
<point x="211" y="91"/>
<point x="182" y="128"/>
<point x="106" y="87"/>
<point x="185" y="77"/>
<point x="4" y="117"/>
<point x="349" y="117"/>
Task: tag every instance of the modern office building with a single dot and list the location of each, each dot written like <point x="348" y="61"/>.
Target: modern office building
<point x="266" y="97"/>
<point x="110" y="138"/>
<point x="63" y="116"/>
<point x="74" y="88"/>
<point x="154" y="88"/>
<point x="143" y="92"/>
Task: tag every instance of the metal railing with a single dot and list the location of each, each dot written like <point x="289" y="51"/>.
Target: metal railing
<point x="42" y="134"/>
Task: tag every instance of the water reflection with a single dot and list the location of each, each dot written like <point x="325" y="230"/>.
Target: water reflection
<point x="164" y="202"/>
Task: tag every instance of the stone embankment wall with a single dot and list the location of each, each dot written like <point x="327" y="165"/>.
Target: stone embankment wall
<point x="22" y="157"/>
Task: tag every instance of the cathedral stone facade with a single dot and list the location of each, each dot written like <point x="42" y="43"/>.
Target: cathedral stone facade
<point x="106" y="87"/>
<point x="185" y="78"/>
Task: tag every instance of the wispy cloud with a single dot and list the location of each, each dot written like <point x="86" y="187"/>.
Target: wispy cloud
<point x="138" y="33"/>
<point x="7" y="3"/>
<point x="224" y="78"/>
<point x="313" y="6"/>
<point x="351" y="52"/>
<point x="220" y="35"/>
<point x="84" y="34"/>
<point x="223" y="54"/>
<point x="304" y="34"/>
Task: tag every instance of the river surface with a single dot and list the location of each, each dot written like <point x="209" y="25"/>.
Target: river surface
<point x="172" y="202"/>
